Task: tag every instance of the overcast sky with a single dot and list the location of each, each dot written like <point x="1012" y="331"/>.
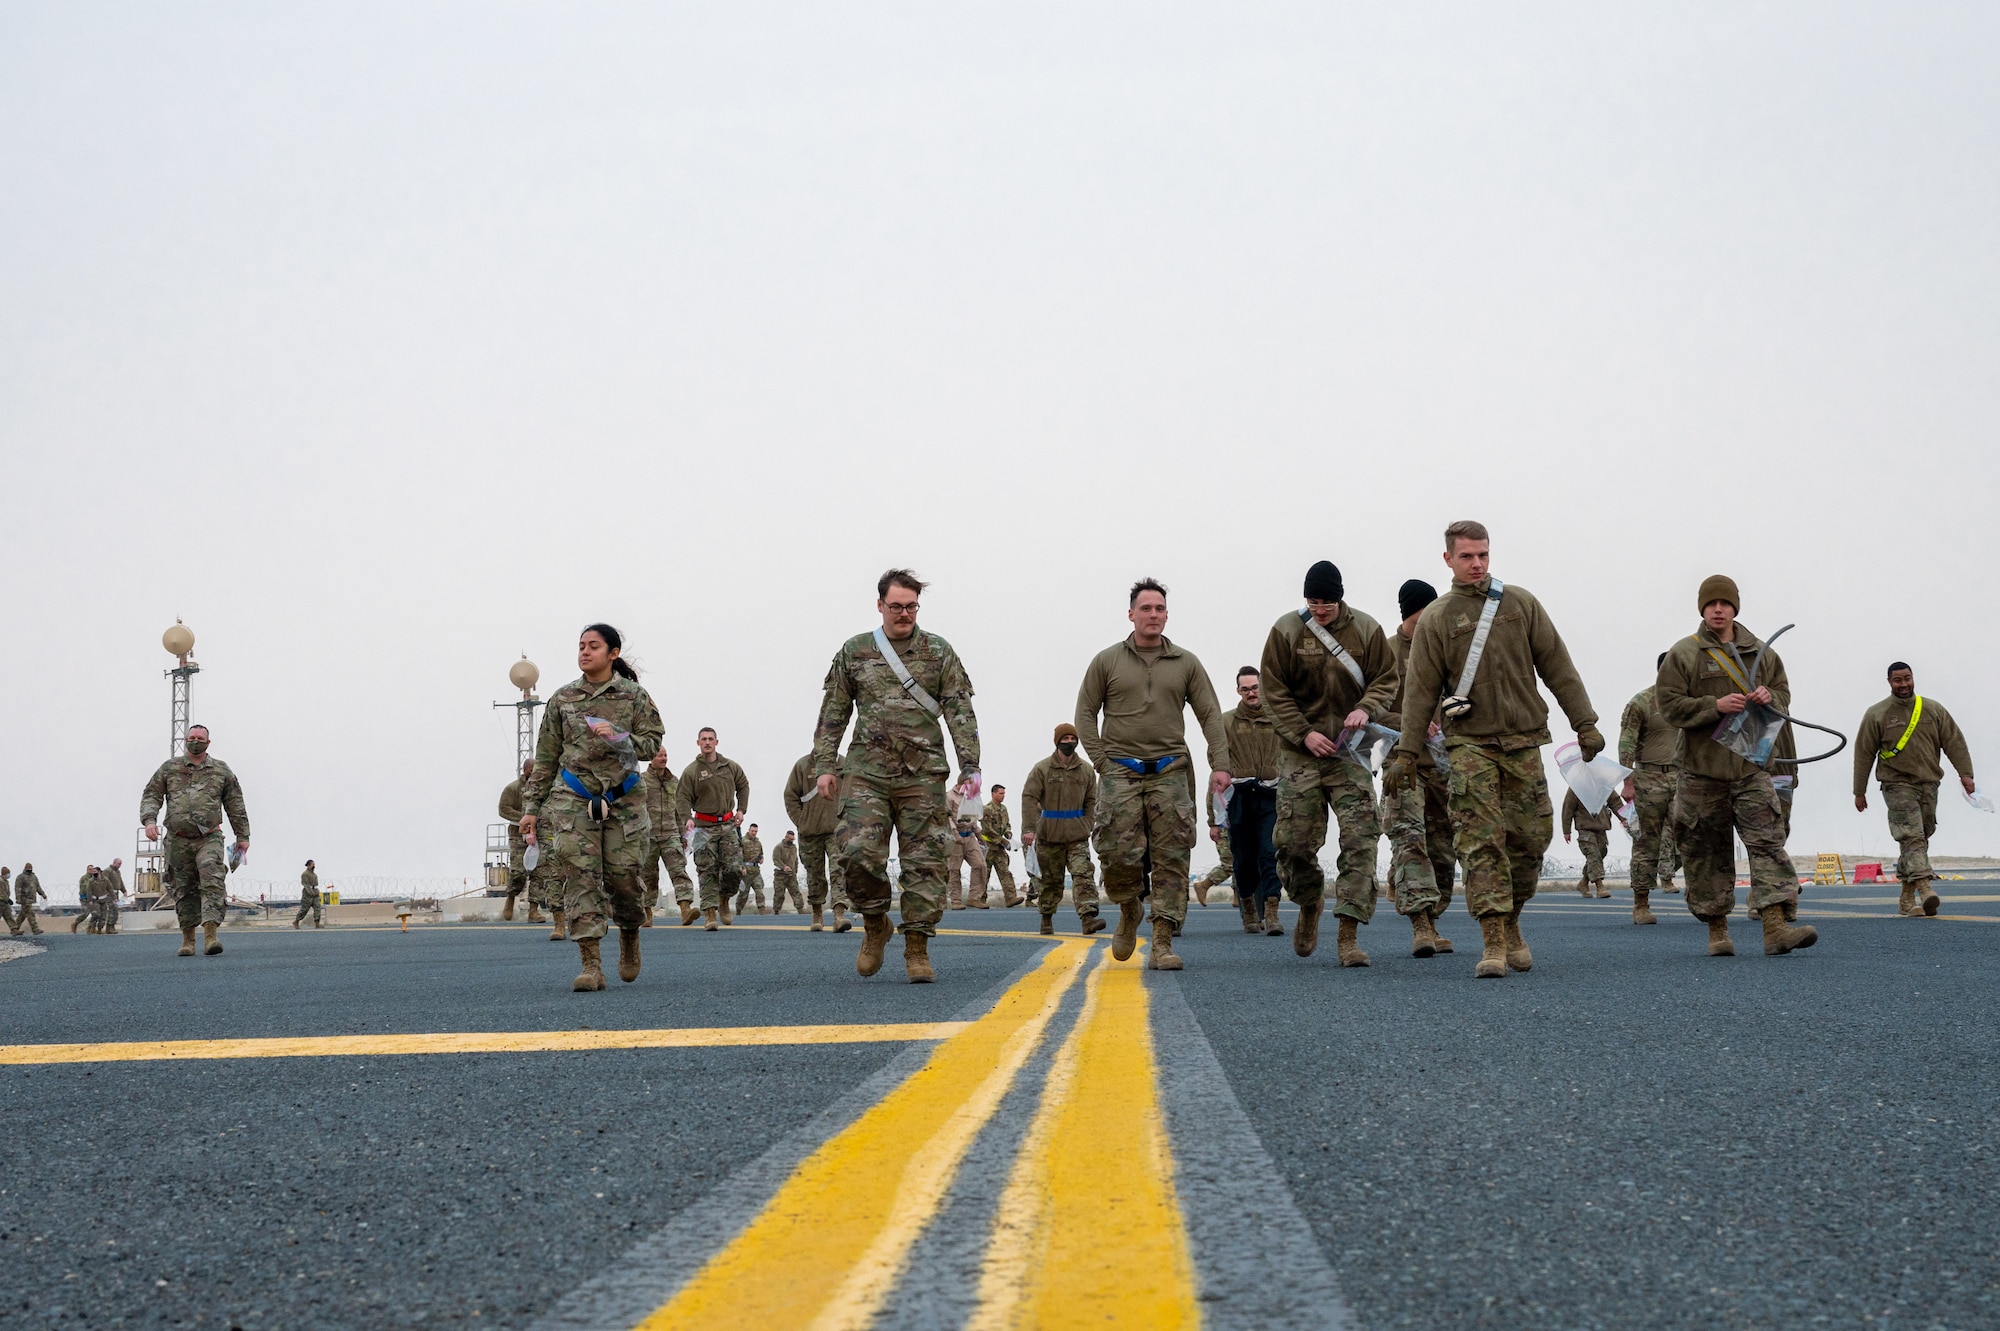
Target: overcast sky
<point x="384" y="343"/>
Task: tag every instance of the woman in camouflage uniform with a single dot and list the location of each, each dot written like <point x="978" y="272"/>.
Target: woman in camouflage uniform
<point x="584" y="804"/>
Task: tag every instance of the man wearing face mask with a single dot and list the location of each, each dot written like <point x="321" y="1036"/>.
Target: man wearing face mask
<point x="197" y="791"/>
<point x="1058" y="805"/>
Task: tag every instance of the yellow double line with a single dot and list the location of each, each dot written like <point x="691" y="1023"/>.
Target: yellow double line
<point x="1091" y="1192"/>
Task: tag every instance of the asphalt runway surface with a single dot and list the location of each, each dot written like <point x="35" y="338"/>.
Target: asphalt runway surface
<point x="1632" y="1135"/>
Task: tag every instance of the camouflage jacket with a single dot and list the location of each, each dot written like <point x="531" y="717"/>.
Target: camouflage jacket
<point x="1307" y="689"/>
<point x="308" y="886"/>
<point x="88" y="887"/>
<point x="893" y="735"/>
<point x="809" y="813"/>
<point x="785" y="856"/>
<point x="111" y="881"/>
<point x="1644" y="735"/>
<point x="995" y="827"/>
<point x="753" y="849"/>
<point x="196" y="795"/>
<point x="567" y="744"/>
<point x="664" y="805"/>
<point x="27" y="887"/>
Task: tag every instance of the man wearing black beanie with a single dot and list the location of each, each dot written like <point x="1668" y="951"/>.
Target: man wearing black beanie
<point x="1422" y="867"/>
<point x="1327" y="671"/>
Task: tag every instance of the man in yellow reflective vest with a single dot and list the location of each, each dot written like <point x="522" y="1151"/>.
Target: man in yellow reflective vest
<point x="1903" y="739"/>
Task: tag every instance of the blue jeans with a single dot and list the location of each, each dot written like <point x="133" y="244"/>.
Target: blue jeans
<point x="1253" y="815"/>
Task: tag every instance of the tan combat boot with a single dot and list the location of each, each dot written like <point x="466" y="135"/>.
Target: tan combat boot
<point x="1247" y="907"/>
<point x="1048" y="926"/>
<point x="1929" y="895"/>
<point x="1718" y="937"/>
<point x="592" y="978"/>
<point x="1272" y="929"/>
<point x="628" y="955"/>
<point x="647" y="923"/>
<point x="1423" y="938"/>
<point x="708" y="923"/>
<point x="1780" y="937"/>
<point x="1906" y="901"/>
<point x="1518" y="956"/>
<point x="77" y="923"/>
<point x="535" y="912"/>
<point x="875" y="931"/>
<point x="917" y="957"/>
<point x="1791" y="909"/>
<point x="187" y="943"/>
<point x="689" y="913"/>
<point x="841" y="924"/>
<point x="1583" y="887"/>
<point x="212" y="945"/>
<point x="1348" y="942"/>
<point x="1305" y="934"/>
<point x="1201" y="891"/>
<point x="507" y="909"/>
<point x="724" y="913"/>
<point x="1093" y="923"/>
<point x="1127" y="936"/>
<point x="1642" y="912"/>
<point x="819" y="920"/>
<point x="1162" y="957"/>
<point x="295" y="924"/>
<point x="1443" y="943"/>
<point x="1009" y="899"/>
<point x="1493" y="961"/>
<point x="557" y="933"/>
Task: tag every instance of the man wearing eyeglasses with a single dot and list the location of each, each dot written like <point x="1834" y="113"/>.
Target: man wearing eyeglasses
<point x="904" y="687"/>
<point x="1145" y="820"/>
<point x="1252" y="809"/>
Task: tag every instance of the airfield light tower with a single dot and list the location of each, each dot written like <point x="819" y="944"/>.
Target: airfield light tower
<point x="179" y="642"/>
<point x="522" y="675"/>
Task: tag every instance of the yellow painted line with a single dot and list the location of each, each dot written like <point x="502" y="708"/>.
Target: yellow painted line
<point x="845" y="1220"/>
<point x="1094" y="1177"/>
<point x="475" y="1042"/>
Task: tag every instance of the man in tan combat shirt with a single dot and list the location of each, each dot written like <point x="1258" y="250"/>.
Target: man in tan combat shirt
<point x="1902" y="739"/>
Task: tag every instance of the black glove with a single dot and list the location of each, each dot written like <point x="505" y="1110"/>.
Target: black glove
<point x="1588" y="741"/>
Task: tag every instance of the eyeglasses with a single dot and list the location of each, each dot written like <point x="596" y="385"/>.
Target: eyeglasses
<point x="900" y="607"/>
<point x="1246" y="688"/>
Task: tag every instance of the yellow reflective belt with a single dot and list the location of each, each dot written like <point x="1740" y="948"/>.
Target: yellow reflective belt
<point x="1729" y="668"/>
<point x="1916" y="712"/>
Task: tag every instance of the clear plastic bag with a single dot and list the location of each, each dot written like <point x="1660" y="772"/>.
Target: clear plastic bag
<point x="1979" y="799"/>
<point x="1219" y="800"/>
<point x="1595" y="781"/>
<point x="620" y="742"/>
<point x="1033" y="861"/>
<point x="531" y="857"/>
<point x="1750" y="733"/>
<point x="237" y="857"/>
<point x="1439" y="754"/>
<point x="1360" y="744"/>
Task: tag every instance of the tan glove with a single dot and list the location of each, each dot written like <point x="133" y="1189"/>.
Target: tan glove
<point x="1588" y="741"/>
<point x="1401" y="773"/>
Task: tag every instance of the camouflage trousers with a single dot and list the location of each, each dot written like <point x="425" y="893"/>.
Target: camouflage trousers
<point x="752" y="888"/>
<point x="1912" y="820"/>
<point x="1501" y="824"/>
<point x="1054" y="859"/>
<point x="667" y="850"/>
<point x="966" y="850"/>
<point x="1422" y="868"/>
<point x="7" y="912"/>
<point x="784" y="884"/>
<point x="314" y="909"/>
<point x="1706" y="811"/>
<point x="1145" y="827"/>
<point x="24" y="918"/>
<point x="1653" y="788"/>
<point x="517" y="869"/>
<point x="1224" y="871"/>
<point x="599" y="862"/>
<point x="997" y="865"/>
<point x="1594" y="845"/>
<point x="1308" y="788"/>
<point x="718" y="862"/>
<point x="822" y="865"/>
<point x="913" y="807"/>
<point x="197" y="877"/>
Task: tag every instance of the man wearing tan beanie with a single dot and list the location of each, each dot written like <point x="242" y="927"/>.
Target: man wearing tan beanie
<point x="1704" y="682"/>
<point x="1058" y="805"/>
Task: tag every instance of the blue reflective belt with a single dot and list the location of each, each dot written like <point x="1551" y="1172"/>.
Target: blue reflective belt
<point x="1066" y="813"/>
<point x="583" y="791"/>
<point x="1147" y="766"/>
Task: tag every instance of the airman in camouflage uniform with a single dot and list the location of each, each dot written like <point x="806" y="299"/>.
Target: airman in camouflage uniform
<point x="7" y="898"/>
<point x="996" y="833"/>
<point x="785" y="876"/>
<point x="817" y="820"/>
<point x="895" y="769"/>
<point x="197" y="791"/>
<point x="309" y="895"/>
<point x="86" y="900"/>
<point x="966" y="849"/>
<point x="1702" y="684"/>
<point x="1145" y="821"/>
<point x="668" y="813"/>
<point x="1904" y="740"/>
<point x="1652" y="749"/>
<point x="1592" y="832"/>
<point x="1315" y="695"/>
<point x="597" y="733"/>
<point x="27" y="889"/>
<point x="1223" y="872"/>
<point x="717" y="794"/>
<point x="1502" y="820"/>
<point x="753" y="874"/>
<point x="1058" y="808"/>
<point x="1422" y="866"/>
<point x="517" y="845"/>
<point x="111" y="878"/>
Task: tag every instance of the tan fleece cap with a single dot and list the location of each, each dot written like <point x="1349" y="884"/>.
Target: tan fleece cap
<point x="1716" y="587"/>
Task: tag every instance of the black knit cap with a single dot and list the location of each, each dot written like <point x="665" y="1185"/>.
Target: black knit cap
<point x="1414" y="595"/>
<point x="1323" y="582"/>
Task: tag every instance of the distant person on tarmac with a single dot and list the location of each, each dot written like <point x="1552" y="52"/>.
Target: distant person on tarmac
<point x="197" y="791"/>
<point x="1903" y="740"/>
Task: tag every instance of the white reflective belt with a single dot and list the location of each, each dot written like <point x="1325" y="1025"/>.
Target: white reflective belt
<point x="1472" y="654"/>
<point x="910" y="686"/>
<point x="1339" y="653"/>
